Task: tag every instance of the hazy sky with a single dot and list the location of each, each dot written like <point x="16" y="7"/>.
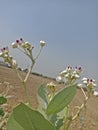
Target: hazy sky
<point x="70" y="28"/>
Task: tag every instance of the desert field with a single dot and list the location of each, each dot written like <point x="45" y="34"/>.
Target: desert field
<point x="9" y="77"/>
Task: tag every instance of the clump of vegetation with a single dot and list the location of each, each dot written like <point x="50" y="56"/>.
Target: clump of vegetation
<point x="53" y="112"/>
<point x="3" y="105"/>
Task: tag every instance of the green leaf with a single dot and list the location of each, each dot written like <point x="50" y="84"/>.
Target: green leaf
<point x="61" y="100"/>
<point x="63" y="113"/>
<point x="12" y="124"/>
<point x="42" y="99"/>
<point x="2" y="100"/>
<point x="56" y="121"/>
<point x="42" y="107"/>
<point x="28" y="119"/>
<point x="59" y="123"/>
<point x="42" y="93"/>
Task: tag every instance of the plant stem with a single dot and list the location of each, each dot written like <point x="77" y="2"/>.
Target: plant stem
<point x="80" y="109"/>
<point x="38" y="53"/>
<point x="29" y="54"/>
<point x="68" y="124"/>
<point x="26" y="78"/>
<point x="27" y="93"/>
<point x="84" y="93"/>
<point x="24" y="83"/>
<point x="17" y="71"/>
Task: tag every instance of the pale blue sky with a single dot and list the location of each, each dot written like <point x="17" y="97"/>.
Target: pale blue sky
<point x="70" y="28"/>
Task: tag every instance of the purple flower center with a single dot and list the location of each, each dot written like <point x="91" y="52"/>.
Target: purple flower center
<point x="4" y="48"/>
<point x="79" y="68"/>
<point x="91" y="80"/>
<point x="17" y="41"/>
<point x="21" y="39"/>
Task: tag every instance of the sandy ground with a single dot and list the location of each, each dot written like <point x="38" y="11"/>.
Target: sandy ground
<point x="8" y="77"/>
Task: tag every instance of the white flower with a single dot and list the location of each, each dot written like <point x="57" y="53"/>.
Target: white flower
<point x="84" y="79"/>
<point x="5" y="50"/>
<point x="59" y="79"/>
<point x="66" y="75"/>
<point x="77" y="76"/>
<point x="63" y="73"/>
<point x="79" y="85"/>
<point x="92" y="82"/>
<point x="89" y="82"/>
<point x="77" y="70"/>
<point x="42" y="43"/>
<point x="69" y="69"/>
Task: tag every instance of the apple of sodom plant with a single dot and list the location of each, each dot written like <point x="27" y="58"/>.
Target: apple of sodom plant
<point x="53" y="109"/>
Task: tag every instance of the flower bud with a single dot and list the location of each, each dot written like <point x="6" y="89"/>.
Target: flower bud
<point x="42" y="43"/>
<point x="26" y="45"/>
<point x="14" y="63"/>
<point x="14" y="45"/>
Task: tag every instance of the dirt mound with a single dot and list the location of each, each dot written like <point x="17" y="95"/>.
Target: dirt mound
<point x="8" y="77"/>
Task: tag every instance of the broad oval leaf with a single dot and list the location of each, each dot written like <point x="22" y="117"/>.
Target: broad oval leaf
<point x="28" y="119"/>
<point x="12" y="124"/>
<point x="42" y="93"/>
<point x="61" y="100"/>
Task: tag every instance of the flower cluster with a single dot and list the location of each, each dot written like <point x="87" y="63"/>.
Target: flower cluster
<point x="25" y="45"/>
<point x="27" y="48"/>
<point x="70" y="75"/>
<point x="22" y="44"/>
<point x="7" y="58"/>
<point x="90" y="83"/>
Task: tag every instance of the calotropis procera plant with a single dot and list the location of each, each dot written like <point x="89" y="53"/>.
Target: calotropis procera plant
<point x="53" y="111"/>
